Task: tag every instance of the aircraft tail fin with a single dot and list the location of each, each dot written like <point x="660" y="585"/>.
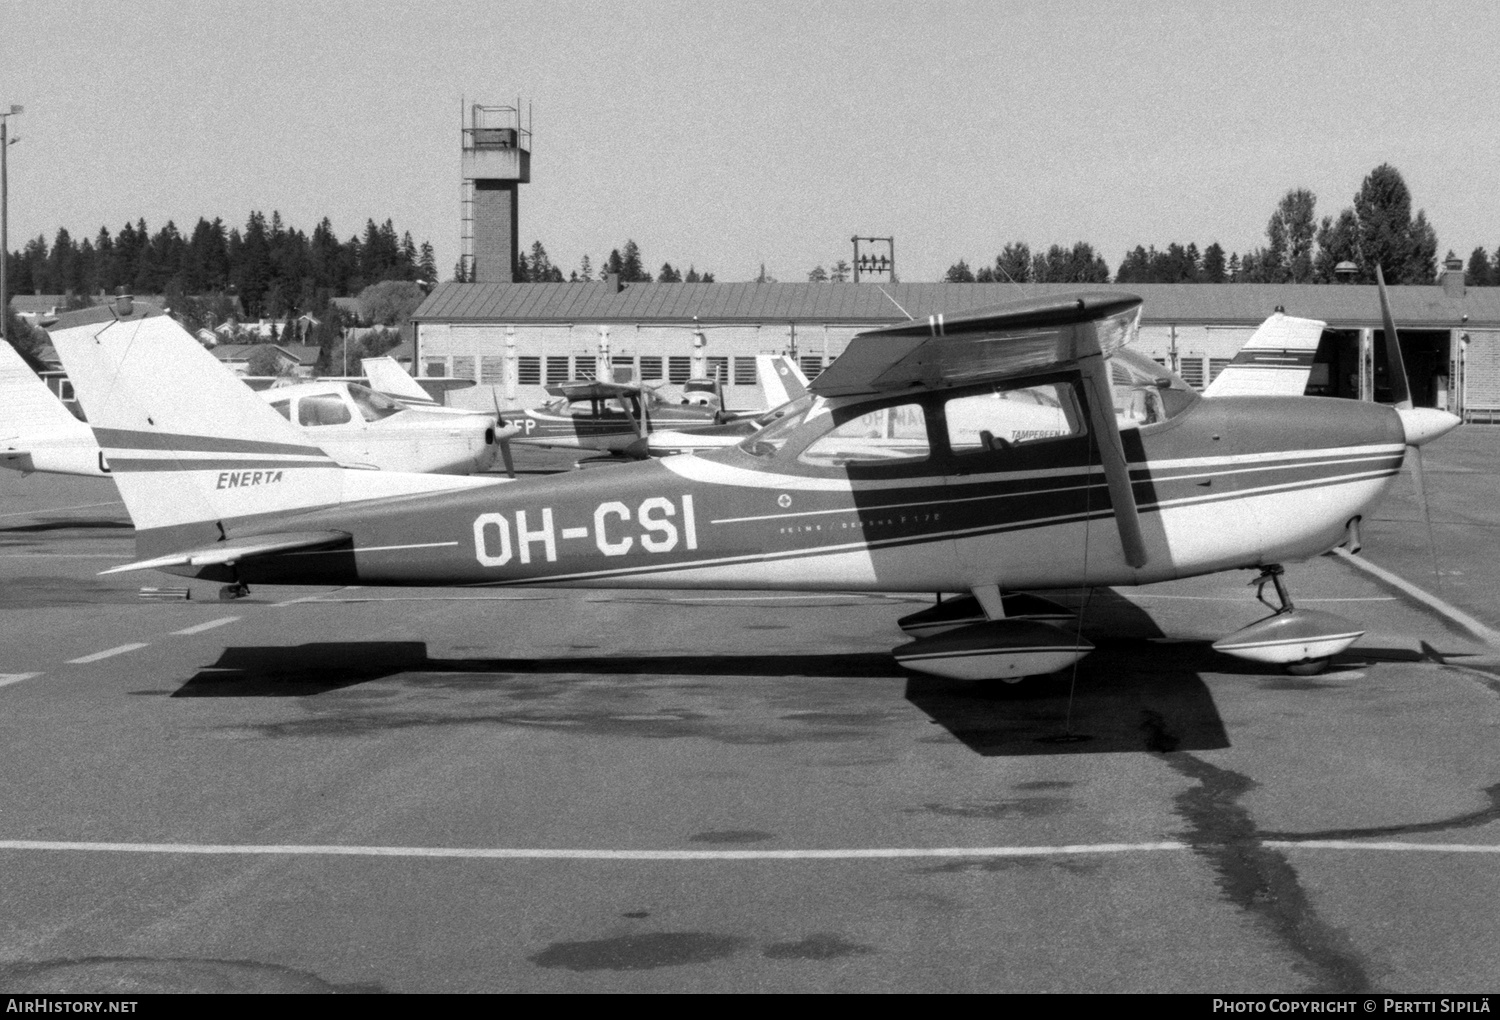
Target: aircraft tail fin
<point x="1275" y="361"/>
<point x="191" y="447"/>
<point x="781" y="379"/>
<point x="27" y="406"/>
<point x="387" y="376"/>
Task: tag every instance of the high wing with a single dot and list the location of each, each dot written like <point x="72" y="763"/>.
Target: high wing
<point x="1023" y="338"/>
<point x="996" y="343"/>
<point x="592" y="389"/>
<point x="1275" y="361"/>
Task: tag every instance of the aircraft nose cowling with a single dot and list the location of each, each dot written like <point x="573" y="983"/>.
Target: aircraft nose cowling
<point x="1424" y="424"/>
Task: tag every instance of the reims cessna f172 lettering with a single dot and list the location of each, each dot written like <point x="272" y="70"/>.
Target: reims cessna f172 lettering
<point x="984" y="454"/>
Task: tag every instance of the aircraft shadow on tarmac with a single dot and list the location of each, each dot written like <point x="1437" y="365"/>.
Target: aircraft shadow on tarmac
<point x="1128" y="696"/>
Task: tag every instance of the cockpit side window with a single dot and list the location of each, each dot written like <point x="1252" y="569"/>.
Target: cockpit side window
<point x="283" y="408"/>
<point x="884" y="436"/>
<point x="1003" y="417"/>
<point x="323" y="409"/>
<point x="372" y="406"/>
<point x="1145" y="393"/>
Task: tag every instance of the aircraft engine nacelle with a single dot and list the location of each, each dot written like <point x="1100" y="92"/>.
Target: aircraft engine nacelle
<point x="995" y="650"/>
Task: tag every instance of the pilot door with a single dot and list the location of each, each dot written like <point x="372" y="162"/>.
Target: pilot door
<point x="1019" y="483"/>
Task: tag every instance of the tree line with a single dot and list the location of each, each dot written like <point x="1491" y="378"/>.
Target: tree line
<point x="1377" y="228"/>
<point x="536" y="266"/>
<point x="271" y="268"/>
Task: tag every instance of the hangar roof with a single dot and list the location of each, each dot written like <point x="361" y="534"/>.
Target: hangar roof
<point x="1340" y="305"/>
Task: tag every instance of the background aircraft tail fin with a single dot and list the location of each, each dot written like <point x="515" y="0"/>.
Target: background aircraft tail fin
<point x="1275" y="361"/>
<point x="387" y="376"/>
<point x="27" y="407"/>
<point x="781" y="379"/>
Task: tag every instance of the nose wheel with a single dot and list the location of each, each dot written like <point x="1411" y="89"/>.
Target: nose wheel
<point x="1303" y="641"/>
<point x="230" y="592"/>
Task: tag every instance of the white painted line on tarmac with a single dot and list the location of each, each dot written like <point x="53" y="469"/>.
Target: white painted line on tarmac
<point x="121" y="650"/>
<point x="1241" y="598"/>
<point x="59" y="509"/>
<point x="14" y="678"/>
<point x="548" y="854"/>
<point x="210" y="625"/>
<point x="1453" y="614"/>
<point x="1349" y="844"/>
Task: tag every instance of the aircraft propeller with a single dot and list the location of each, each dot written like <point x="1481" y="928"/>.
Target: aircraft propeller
<point x="1420" y="424"/>
<point x="501" y="428"/>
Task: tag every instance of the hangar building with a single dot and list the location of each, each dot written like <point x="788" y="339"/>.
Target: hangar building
<point x="515" y="338"/>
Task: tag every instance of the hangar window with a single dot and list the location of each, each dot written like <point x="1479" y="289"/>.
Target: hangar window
<point x="718" y="368"/>
<point x="492" y="368"/>
<point x="437" y="369"/>
<point x="557" y="369"/>
<point x="812" y="365"/>
<point x="463" y="366"/>
<point x="623" y="367"/>
<point x="744" y="372"/>
<point x="679" y="369"/>
<point x="323" y="409"/>
<point x="650" y="367"/>
<point x="583" y="366"/>
<point x="890" y="434"/>
<point x="1217" y="365"/>
<point x="529" y="370"/>
<point x="1192" y="371"/>
<point x="1000" y="418"/>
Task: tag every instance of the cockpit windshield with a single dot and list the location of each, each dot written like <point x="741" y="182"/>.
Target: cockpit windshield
<point x="372" y="406"/>
<point x="796" y="406"/>
<point x="1145" y="393"/>
<point x="783" y="422"/>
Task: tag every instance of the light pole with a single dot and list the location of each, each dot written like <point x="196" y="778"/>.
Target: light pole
<point x="5" y="144"/>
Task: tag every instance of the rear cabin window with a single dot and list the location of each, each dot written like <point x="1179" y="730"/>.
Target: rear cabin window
<point x="322" y="409"/>
<point x="889" y="435"/>
<point x="1005" y="417"/>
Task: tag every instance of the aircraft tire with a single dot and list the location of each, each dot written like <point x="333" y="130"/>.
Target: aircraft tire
<point x="1310" y="667"/>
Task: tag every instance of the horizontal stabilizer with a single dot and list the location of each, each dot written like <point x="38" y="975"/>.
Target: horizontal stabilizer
<point x="1021" y="338"/>
<point x="235" y="549"/>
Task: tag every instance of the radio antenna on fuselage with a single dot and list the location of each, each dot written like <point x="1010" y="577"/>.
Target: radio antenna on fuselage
<point x="909" y="316"/>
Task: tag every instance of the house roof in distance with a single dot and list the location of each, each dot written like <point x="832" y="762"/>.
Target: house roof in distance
<point x="1230" y="304"/>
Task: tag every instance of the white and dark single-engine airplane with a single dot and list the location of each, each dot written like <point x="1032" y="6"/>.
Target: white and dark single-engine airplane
<point x="985" y="455"/>
<point x="349" y="422"/>
<point x="633" y="420"/>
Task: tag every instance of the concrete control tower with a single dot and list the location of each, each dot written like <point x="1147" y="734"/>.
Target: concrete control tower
<point x="496" y="162"/>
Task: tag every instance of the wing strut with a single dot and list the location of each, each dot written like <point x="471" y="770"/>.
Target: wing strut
<point x="1112" y="455"/>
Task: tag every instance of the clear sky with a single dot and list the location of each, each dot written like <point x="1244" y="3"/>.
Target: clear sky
<point x="727" y="136"/>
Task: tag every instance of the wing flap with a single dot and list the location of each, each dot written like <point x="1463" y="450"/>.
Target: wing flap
<point x="235" y="549"/>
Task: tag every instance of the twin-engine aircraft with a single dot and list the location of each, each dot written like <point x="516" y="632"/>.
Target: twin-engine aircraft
<point x="633" y="420"/>
<point x="981" y="455"/>
<point x="350" y="423"/>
